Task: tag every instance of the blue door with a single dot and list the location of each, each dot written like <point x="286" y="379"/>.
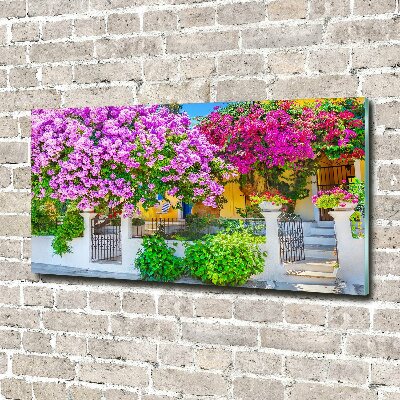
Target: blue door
<point x="186" y="209"/>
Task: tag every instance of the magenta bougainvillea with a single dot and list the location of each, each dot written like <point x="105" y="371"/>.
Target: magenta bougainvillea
<point x="119" y="157"/>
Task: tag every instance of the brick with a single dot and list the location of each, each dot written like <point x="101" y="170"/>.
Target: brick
<point x="38" y="296"/>
<point x="23" y="77"/>
<point x="15" y="202"/>
<point x="385" y="208"/>
<point x="192" y="17"/>
<point x="305" y="314"/>
<point x="376" y="57"/>
<point x="12" y="8"/>
<point x="329" y="8"/>
<point x="21" y="178"/>
<point x="178" y="306"/>
<point x="12" y="55"/>
<point x="192" y="91"/>
<point x="25" y="32"/>
<point x="388" y="175"/>
<point x="386" y="263"/>
<point x="282" y="36"/>
<point x="246" y="388"/>
<point x="50" y="8"/>
<point x="378" y="346"/>
<point x="70" y="345"/>
<point x="386" y="320"/>
<point x="116" y="95"/>
<point x="191" y="383"/>
<point x="322" y="86"/>
<point x="366" y="30"/>
<point x="37" y="342"/>
<point x="383" y="85"/>
<point x="68" y="299"/>
<point x="159" y="21"/>
<point x="316" y="391"/>
<point x="10" y="248"/>
<point x="114" y="374"/>
<point x="16" y="389"/>
<point x="13" y="152"/>
<point x="27" y="100"/>
<point x="49" y="390"/>
<point x="10" y="270"/>
<point x="5" y="177"/>
<point x="10" y="339"/>
<point x="213" y="308"/>
<point x="241" y="65"/>
<point x="82" y="392"/>
<point x="107" y="5"/>
<point x="282" y="10"/>
<point x="71" y="322"/>
<point x="122" y="349"/>
<point x="218" y="359"/>
<point x="93" y="26"/>
<point x="385" y="374"/>
<point x="63" y="51"/>
<point x="19" y="318"/>
<point x="229" y="335"/>
<point x="49" y="367"/>
<point x="26" y="248"/>
<point x="104" y="301"/>
<point x="121" y="394"/>
<point x="229" y="90"/>
<point x="369" y="7"/>
<point x="315" y="342"/>
<point x="258" y="310"/>
<point x="119" y="24"/>
<point x="24" y="123"/>
<point x="329" y="61"/>
<point x="144" y="327"/>
<point x="108" y="72"/>
<point x="3" y="78"/>
<point x="386" y="291"/>
<point x="138" y="303"/>
<point x="385" y="237"/>
<point x="175" y="355"/>
<point x="202" y="42"/>
<point x="3" y="363"/>
<point x="241" y="13"/>
<point x="351" y="372"/>
<point x="52" y="30"/>
<point x="348" y="318"/>
<point x="256" y="362"/>
<point x="158" y="69"/>
<point x="121" y="48"/>
<point x="197" y="67"/>
<point x="9" y="295"/>
<point x="390" y="396"/>
<point x="57" y="75"/>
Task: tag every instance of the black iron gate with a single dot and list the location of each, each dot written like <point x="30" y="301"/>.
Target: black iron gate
<point x="291" y="237"/>
<point x="106" y="239"/>
<point x="329" y="177"/>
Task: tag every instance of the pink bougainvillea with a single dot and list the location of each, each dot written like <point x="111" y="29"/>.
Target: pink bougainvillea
<point x="119" y="157"/>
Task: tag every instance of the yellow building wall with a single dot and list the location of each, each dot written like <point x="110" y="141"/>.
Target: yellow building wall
<point x="235" y="199"/>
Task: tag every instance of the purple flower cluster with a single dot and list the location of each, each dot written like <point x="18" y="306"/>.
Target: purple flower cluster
<point x="119" y="157"/>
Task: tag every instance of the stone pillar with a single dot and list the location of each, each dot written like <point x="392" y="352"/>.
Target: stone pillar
<point x="274" y="270"/>
<point x="84" y="252"/>
<point x="351" y="252"/>
<point x="126" y="239"/>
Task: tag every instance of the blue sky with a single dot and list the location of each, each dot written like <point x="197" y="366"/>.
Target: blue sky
<point x="200" y="109"/>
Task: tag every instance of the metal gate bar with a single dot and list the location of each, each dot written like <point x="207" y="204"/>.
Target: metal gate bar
<point x="105" y="240"/>
<point x="291" y="237"/>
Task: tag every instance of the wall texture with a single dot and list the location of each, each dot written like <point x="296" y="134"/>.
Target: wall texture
<point x="63" y="338"/>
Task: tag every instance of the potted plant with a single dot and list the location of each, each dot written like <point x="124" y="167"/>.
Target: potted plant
<point x="138" y="226"/>
<point x="337" y="198"/>
<point x="270" y="200"/>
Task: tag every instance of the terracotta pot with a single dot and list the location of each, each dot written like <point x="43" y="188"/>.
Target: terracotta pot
<point x="201" y="210"/>
<point x="268" y="206"/>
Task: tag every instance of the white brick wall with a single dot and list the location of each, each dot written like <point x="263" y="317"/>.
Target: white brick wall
<point x="70" y="338"/>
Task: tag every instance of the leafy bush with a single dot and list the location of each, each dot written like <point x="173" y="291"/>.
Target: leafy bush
<point x="227" y="258"/>
<point x="357" y="187"/>
<point x="157" y="262"/>
<point x="44" y="215"/>
<point x="71" y="227"/>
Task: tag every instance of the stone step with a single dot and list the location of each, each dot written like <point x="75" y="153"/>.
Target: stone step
<point x="325" y="252"/>
<point x="320" y="239"/>
<point x="310" y="287"/>
<point x="315" y="230"/>
<point x="311" y="277"/>
<point x="311" y="264"/>
<point x="324" y="224"/>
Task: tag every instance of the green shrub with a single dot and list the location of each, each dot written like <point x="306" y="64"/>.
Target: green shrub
<point x="227" y="258"/>
<point x="44" y="214"/>
<point x="157" y="262"/>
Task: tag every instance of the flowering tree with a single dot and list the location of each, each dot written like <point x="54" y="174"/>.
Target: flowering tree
<point x="119" y="157"/>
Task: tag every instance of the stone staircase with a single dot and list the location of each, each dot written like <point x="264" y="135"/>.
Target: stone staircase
<point x="319" y="266"/>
